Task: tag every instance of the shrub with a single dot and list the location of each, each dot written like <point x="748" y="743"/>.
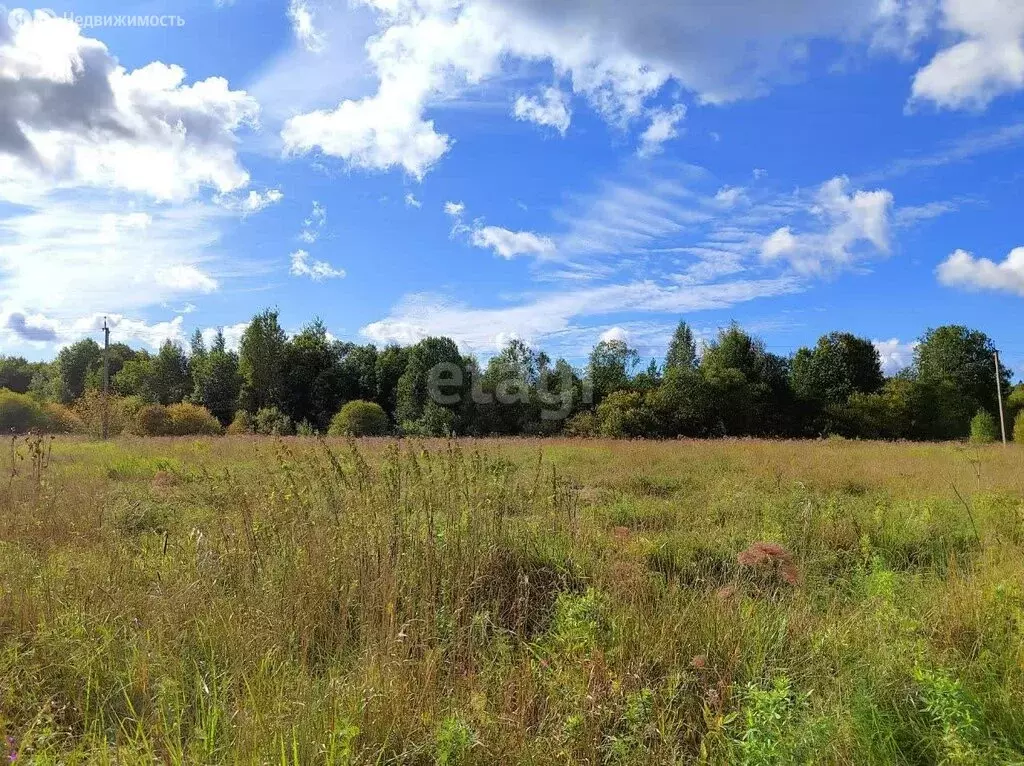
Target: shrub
<point x="624" y="414"/>
<point x="122" y="412"/>
<point x="582" y="424"/>
<point x="241" y="424"/>
<point x="1018" y="429"/>
<point x="62" y="420"/>
<point x="192" y="420"/>
<point x="359" y="418"/>
<point x="305" y="428"/>
<point x="20" y="413"/>
<point x="152" y="420"/>
<point x="270" y="421"/>
<point x="984" y="428"/>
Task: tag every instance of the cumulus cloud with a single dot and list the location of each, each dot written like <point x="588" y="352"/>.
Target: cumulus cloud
<point x="318" y="271"/>
<point x="232" y="335"/>
<point x="550" y="110"/>
<point x="509" y="244"/>
<point x="618" y="334"/>
<point x="454" y="209"/>
<point x="895" y="355"/>
<point x="962" y="269"/>
<point x="70" y="116"/>
<point x="411" y="201"/>
<point x="664" y="127"/>
<point x="986" y="61"/>
<point x="616" y="55"/>
<point x="851" y="219"/>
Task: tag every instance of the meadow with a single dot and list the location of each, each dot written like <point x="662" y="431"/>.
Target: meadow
<point x="304" y="601"/>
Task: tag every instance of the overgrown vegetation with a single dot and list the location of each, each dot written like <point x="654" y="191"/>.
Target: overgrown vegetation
<point x="247" y="600"/>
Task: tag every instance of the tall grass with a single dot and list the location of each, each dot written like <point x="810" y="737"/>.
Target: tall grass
<point x="300" y="601"/>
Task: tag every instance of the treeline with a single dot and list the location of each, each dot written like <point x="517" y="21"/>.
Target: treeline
<point x="311" y="383"/>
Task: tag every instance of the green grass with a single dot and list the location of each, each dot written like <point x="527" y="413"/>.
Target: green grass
<point x="246" y="600"/>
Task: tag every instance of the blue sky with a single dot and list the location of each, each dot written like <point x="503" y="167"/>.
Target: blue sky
<point x="557" y="171"/>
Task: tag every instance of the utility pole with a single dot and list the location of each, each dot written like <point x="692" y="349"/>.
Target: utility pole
<point x="999" y="395"/>
<point x="106" y="379"/>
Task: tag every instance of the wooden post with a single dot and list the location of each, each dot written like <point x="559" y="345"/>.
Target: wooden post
<point x="106" y="379"/>
<point x="999" y="395"/>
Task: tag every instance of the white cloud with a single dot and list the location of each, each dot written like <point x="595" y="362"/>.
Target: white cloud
<point x="962" y="269"/>
<point x="614" y="334"/>
<point x="986" y="62"/>
<point x="314" y="224"/>
<point x="551" y="110"/>
<point x="255" y="201"/>
<point x="509" y="244"/>
<point x="411" y="201"/>
<point x="72" y="117"/>
<point x="301" y="15"/>
<point x="616" y="55"/>
<point x="664" y="127"/>
<point x="895" y="355"/>
<point x="76" y="257"/>
<point x="454" y="209"/>
<point x="850" y="218"/>
<point x="318" y="271"/>
<point x="546" y="317"/>
<point x="42" y="330"/>
<point x="730" y="196"/>
<point x="232" y="335"/>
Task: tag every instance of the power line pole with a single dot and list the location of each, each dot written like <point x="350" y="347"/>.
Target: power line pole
<point x="999" y="395"/>
<point x="106" y="379"/>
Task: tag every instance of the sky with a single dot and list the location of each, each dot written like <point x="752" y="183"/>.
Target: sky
<point x="558" y="171"/>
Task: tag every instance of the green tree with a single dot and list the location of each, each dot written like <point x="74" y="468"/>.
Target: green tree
<point x="682" y="404"/>
<point x="956" y="368"/>
<point x="136" y="378"/>
<point x="15" y="374"/>
<point x="219" y="384"/>
<point x="261" y="362"/>
<point x="391" y="364"/>
<point x="74" y="363"/>
<point x="171" y="381"/>
<point x="984" y="428"/>
<point x="823" y="378"/>
<point x="313" y="379"/>
<point x="611" y="367"/>
<point x="437" y="375"/>
<point x="682" y="350"/>
<point x="510" y="403"/>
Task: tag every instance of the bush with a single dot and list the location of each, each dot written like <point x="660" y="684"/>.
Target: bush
<point x="1018" y="429"/>
<point x="122" y="412"/>
<point x="984" y="428"/>
<point x="62" y="420"/>
<point x="305" y="428"/>
<point x="241" y="424"/>
<point x="20" y="413"/>
<point x="270" y="421"/>
<point x="624" y="414"/>
<point x="359" y="418"/>
<point x="192" y="420"/>
<point x="583" y="424"/>
<point x="152" y="420"/>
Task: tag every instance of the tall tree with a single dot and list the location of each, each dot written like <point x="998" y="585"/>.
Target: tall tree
<point x="611" y="367"/>
<point x="956" y="367"/>
<point x="137" y="378"/>
<point x="682" y="350"/>
<point x="220" y="383"/>
<point x="311" y="373"/>
<point x="74" y="363"/>
<point x="15" y="373"/>
<point x="823" y="378"/>
<point x="436" y="381"/>
<point x="171" y="381"/>
<point x="391" y="363"/>
<point x="260" y="362"/>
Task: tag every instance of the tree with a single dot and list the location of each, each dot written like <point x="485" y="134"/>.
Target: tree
<point x="171" y="381"/>
<point x="15" y="374"/>
<point x="611" y="367"/>
<point x="823" y="378"/>
<point x="749" y="386"/>
<point x="984" y="428"/>
<point x="219" y="383"/>
<point x="682" y="404"/>
<point x="312" y="386"/>
<point x="73" y="365"/>
<point x="437" y="375"/>
<point x="956" y="367"/>
<point x="509" y="386"/>
<point x="260" y="362"/>
<point x="623" y="414"/>
<point x="682" y="350"/>
<point x="136" y="378"/>
<point x="391" y="364"/>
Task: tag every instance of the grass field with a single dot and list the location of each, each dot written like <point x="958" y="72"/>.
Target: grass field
<point x="246" y="600"/>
